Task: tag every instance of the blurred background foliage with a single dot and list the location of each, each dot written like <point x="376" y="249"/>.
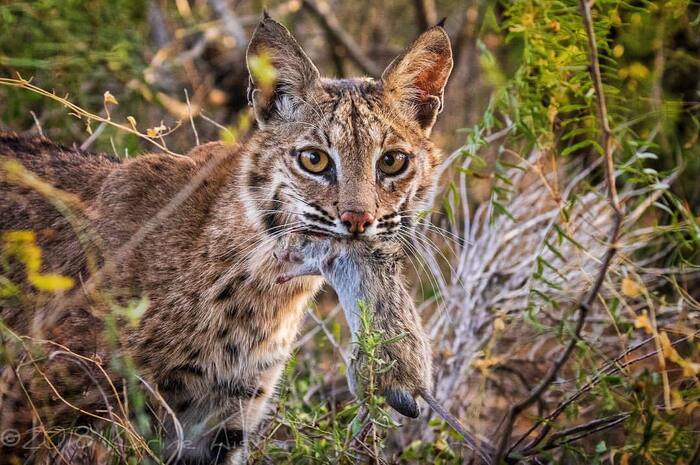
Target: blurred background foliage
<point x="521" y="71"/>
<point x="146" y="53"/>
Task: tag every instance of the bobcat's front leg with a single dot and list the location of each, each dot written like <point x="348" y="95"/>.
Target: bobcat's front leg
<point x="225" y="437"/>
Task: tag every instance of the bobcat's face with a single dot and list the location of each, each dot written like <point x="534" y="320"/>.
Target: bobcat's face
<point x="345" y="166"/>
<point x="345" y="157"/>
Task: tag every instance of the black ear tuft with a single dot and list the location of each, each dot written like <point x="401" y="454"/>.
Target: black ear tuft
<point x="441" y="23"/>
<point x="266" y="15"/>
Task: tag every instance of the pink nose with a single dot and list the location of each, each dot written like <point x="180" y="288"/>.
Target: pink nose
<point x="356" y="222"/>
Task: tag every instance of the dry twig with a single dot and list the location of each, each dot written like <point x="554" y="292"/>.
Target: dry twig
<point x="80" y="113"/>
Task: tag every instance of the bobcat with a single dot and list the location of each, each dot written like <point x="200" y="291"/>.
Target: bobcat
<point x="346" y="159"/>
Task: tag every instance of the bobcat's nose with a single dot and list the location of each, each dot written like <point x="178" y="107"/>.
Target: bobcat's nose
<point x="356" y="222"/>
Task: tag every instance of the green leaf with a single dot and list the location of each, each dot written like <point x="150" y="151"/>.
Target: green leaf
<point x="601" y="447"/>
<point x="578" y="146"/>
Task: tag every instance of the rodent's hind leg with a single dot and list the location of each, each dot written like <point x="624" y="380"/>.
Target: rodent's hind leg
<point x="304" y="269"/>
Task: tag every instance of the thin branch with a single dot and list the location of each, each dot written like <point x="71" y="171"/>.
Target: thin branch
<point x="189" y="111"/>
<point x="515" y="410"/>
<point x="575" y="433"/>
<point x="586" y="302"/>
<point x="157" y="25"/>
<point x="37" y="123"/>
<point x="610" y="368"/>
<point x="93" y="137"/>
<point x="321" y="10"/>
<point x="465" y="34"/>
<point x="524" y="381"/>
<point x="478" y="446"/>
<point x="594" y="69"/>
<point x="330" y="336"/>
<point x="77" y="111"/>
<point x="605" y="371"/>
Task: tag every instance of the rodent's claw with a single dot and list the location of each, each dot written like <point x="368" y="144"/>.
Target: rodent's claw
<point x="403" y="402"/>
<point x="301" y="270"/>
<point x="286" y="255"/>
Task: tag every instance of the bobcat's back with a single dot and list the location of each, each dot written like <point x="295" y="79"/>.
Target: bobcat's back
<point x="31" y="201"/>
<point x="69" y="169"/>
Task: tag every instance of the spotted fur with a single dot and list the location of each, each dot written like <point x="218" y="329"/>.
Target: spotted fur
<point x="194" y="236"/>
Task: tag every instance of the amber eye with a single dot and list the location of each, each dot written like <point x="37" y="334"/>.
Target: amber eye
<point x="393" y="163"/>
<point x="314" y="161"/>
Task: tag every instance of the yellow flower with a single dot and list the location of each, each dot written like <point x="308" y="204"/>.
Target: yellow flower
<point x="643" y="322"/>
<point x="638" y="71"/>
<point x="631" y="288"/>
<point x="109" y="98"/>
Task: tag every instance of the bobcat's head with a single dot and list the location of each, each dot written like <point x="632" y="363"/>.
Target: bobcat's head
<point x="343" y="157"/>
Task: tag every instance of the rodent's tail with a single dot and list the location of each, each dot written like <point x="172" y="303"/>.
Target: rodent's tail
<point x="479" y="446"/>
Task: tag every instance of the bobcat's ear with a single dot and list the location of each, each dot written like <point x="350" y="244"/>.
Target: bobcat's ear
<point x="416" y="79"/>
<point x="294" y="73"/>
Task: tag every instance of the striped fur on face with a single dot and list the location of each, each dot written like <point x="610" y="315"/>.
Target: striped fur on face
<point x="324" y="145"/>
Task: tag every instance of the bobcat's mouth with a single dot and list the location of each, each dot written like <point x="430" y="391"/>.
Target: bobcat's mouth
<point x="315" y="231"/>
<point x="318" y="233"/>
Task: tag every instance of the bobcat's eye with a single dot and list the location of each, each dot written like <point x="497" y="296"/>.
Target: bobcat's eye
<point x="314" y="161"/>
<point x="393" y="163"/>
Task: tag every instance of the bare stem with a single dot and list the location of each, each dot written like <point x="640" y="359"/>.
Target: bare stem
<point x="472" y="442"/>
